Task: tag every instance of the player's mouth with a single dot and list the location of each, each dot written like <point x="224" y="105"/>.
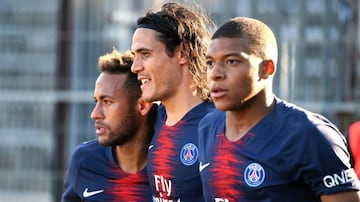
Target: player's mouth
<point x="99" y="129"/>
<point x="217" y="92"/>
<point x="144" y="81"/>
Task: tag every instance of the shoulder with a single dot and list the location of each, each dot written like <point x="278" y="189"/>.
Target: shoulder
<point x="203" y="108"/>
<point x="212" y="119"/>
<point x="214" y="114"/>
<point x="88" y="146"/>
<point x="209" y="106"/>
<point x="301" y="119"/>
<point x="295" y="124"/>
<point x="310" y="129"/>
<point x="82" y="152"/>
<point x="85" y="149"/>
<point x="90" y="155"/>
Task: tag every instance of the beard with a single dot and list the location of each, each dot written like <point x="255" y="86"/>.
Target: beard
<point x="123" y="133"/>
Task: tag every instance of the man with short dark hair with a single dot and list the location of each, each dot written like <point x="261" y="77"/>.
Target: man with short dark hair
<point x="259" y="147"/>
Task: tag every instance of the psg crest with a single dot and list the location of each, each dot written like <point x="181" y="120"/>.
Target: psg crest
<point x="189" y="154"/>
<point x="254" y="174"/>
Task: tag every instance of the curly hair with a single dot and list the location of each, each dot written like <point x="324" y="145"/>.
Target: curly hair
<point x="179" y="25"/>
<point x="117" y="63"/>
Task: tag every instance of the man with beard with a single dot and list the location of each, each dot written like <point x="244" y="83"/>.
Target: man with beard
<point x="113" y="167"/>
<point x="169" y="47"/>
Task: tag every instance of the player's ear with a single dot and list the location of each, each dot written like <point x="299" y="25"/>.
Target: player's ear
<point x="268" y="69"/>
<point x="144" y="107"/>
<point x="182" y="52"/>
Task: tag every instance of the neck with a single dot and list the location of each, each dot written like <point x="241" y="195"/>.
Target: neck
<point x="181" y="101"/>
<point x="239" y="122"/>
<point x="132" y="156"/>
<point x="178" y="107"/>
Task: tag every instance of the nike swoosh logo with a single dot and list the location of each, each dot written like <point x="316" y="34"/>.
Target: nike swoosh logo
<point x="203" y="166"/>
<point x="151" y="146"/>
<point x="87" y="193"/>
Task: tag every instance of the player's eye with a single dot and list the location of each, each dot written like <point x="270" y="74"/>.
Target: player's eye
<point x="108" y="102"/>
<point x="209" y="63"/>
<point x="232" y="62"/>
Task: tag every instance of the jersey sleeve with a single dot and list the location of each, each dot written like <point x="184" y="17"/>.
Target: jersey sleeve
<point x="326" y="168"/>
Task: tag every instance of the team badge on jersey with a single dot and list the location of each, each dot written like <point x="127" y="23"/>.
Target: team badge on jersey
<point x="254" y="174"/>
<point x="189" y="154"/>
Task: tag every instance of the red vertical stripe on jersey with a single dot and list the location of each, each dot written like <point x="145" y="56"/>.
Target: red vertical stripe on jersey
<point x="130" y="187"/>
<point x="165" y="153"/>
<point x="226" y="170"/>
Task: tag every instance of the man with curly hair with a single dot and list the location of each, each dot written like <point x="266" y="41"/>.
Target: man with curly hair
<point x="113" y="167"/>
<point x="169" y="47"/>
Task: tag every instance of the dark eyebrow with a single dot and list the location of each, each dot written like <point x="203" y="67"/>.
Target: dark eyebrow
<point x="102" y="97"/>
<point x="141" y="50"/>
<point x="235" y="54"/>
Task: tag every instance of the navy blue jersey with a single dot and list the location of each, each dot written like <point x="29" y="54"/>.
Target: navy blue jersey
<point x="290" y="155"/>
<point x="173" y="166"/>
<point x="93" y="175"/>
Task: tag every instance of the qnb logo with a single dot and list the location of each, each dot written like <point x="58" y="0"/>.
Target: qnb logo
<point x="346" y="176"/>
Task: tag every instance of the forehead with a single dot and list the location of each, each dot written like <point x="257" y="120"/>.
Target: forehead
<point x="144" y="38"/>
<point x="110" y="82"/>
<point x="225" y="46"/>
